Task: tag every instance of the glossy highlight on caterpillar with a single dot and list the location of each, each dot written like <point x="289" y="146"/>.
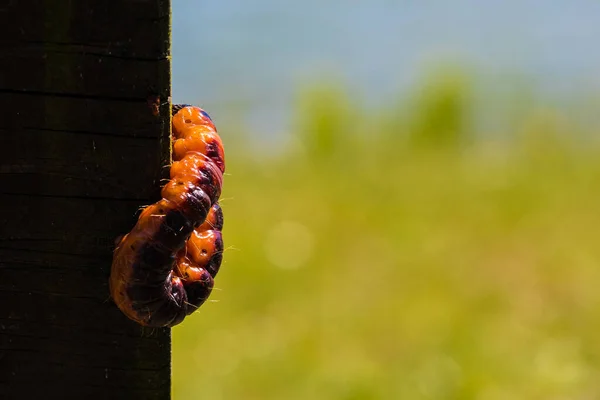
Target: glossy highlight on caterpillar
<point x="164" y="269"/>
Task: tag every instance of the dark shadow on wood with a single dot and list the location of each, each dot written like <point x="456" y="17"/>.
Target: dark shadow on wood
<point x="80" y="152"/>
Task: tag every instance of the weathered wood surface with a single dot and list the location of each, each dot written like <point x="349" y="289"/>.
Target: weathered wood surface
<point x="80" y="151"/>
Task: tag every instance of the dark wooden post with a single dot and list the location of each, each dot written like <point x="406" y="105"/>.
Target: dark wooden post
<point x="80" y="151"/>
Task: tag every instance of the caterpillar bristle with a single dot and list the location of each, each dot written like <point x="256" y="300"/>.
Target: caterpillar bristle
<point x="164" y="268"/>
<point x="178" y="107"/>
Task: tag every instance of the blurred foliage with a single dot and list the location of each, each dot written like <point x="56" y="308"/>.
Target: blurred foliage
<point x="324" y="120"/>
<point x="389" y="255"/>
<point x="440" y="107"/>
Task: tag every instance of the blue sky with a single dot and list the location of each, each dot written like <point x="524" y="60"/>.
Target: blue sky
<point x="232" y="52"/>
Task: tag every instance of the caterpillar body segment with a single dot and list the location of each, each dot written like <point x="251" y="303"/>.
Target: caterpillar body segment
<point x="164" y="268"/>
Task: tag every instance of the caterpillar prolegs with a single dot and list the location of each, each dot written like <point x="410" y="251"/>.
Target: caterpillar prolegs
<point x="163" y="269"/>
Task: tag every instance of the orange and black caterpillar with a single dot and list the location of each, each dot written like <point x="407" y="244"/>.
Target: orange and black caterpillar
<point x="163" y="269"/>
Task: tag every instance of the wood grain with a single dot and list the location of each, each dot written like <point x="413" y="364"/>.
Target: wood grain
<point x="80" y="152"/>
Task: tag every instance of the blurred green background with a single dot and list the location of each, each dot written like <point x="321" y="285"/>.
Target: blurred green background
<point x="407" y="249"/>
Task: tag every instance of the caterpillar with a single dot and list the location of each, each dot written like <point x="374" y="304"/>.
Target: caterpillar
<point x="164" y="268"/>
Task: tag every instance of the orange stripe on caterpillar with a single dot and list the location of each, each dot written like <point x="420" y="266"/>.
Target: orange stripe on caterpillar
<point x="164" y="268"/>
